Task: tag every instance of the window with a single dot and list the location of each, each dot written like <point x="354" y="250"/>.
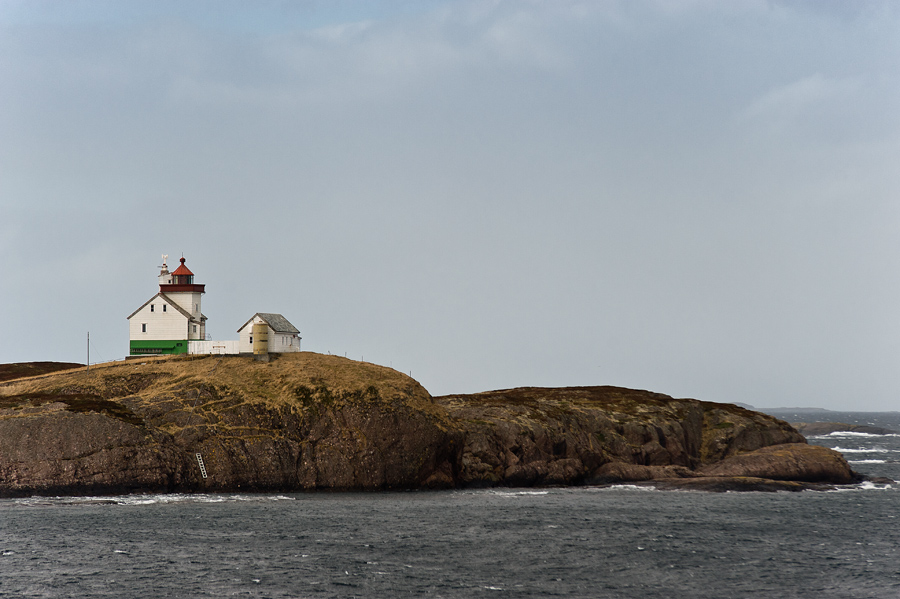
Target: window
<point x="144" y="327"/>
<point x="164" y="307"/>
<point x="195" y="328"/>
<point x="152" y="307"/>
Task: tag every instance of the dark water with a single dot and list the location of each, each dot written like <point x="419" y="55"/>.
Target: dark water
<point x="578" y="542"/>
<point x="875" y="455"/>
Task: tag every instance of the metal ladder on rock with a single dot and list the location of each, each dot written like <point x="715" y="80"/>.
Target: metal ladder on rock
<point x="202" y="465"/>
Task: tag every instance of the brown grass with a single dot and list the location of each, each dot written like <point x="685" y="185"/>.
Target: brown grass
<point x="206" y="380"/>
<point x="554" y="403"/>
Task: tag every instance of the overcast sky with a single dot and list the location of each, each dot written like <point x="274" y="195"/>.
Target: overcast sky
<point x="697" y="198"/>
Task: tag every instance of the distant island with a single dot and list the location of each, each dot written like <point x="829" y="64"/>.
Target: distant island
<point x="808" y="410"/>
<point x="791" y="410"/>
<point x="307" y="421"/>
<point x="810" y="429"/>
<point x="20" y="370"/>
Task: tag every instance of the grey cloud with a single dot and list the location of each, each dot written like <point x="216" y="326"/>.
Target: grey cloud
<point x="695" y="198"/>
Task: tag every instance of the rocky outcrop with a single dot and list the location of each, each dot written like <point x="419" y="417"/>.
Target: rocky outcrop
<point x="794" y="462"/>
<point x="308" y="421"/>
<point x="304" y="423"/>
<point x="574" y="435"/>
<point x="60" y="453"/>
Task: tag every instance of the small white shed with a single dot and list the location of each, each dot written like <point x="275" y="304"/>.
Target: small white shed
<point x="283" y="336"/>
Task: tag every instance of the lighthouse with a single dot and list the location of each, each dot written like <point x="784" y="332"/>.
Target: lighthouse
<point x="167" y="321"/>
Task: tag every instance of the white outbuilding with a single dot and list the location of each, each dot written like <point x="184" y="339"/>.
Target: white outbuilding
<point x="274" y="335"/>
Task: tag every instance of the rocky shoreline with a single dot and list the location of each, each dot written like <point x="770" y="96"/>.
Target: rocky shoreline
<point x="308" y="421"/>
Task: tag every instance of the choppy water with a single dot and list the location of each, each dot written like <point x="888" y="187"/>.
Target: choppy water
<point x="875" y="455"/>
<point x="575" y="542"/>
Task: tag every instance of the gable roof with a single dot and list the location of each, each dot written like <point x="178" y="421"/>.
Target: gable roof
<point x="169" y="301"/>
<point x="277" y="322"/>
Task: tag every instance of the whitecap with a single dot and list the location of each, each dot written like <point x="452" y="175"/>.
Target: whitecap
<point x="870" y="486"/>
<point x="863" y="486"/>
<point x="140" y="501"/>
<point x="632" y="487"/>
<point x="517" y="493"/>
<point x="864" y="450"/>
<point x="162" y="498"/>
<point x="866" y="461"/>
<point x="37" y="501"/>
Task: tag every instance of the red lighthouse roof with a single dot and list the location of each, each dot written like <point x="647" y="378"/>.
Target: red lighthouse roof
<point x="182" y="270"/>
<point x="182" y="280"/>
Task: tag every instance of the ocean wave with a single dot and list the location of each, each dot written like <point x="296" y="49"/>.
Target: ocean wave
<point x="631" y="487"/>
<point x="866" y="461"/>
<point x="139" y="500"/>
<point x="853" y="434"/>
<point x="865" y="450"/>
<point x="863" y="486"/>
<point x="517" y="493"/>
<point x="870" y="486"/>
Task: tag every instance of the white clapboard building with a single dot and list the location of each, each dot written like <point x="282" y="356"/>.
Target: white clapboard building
<point x="273" y="334"/>
<point x="166" y="322"/>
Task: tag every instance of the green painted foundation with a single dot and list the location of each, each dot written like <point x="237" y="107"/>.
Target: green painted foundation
<point x="158" y="347"/>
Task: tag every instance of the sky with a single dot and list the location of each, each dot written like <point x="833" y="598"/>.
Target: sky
<point x="693" y="197"/>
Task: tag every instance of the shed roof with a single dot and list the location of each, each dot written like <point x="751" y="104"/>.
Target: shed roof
<point x="277" y="322"/>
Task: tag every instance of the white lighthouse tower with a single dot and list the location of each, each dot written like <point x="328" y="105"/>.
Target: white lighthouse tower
<point x="172" y="317"/>
<point x="184" y="292"/>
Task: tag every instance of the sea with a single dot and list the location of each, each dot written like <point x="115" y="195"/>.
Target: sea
<point x="617" y="542"/>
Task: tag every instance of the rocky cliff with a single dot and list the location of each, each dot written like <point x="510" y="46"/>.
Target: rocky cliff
<point x="308" y="421"/>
